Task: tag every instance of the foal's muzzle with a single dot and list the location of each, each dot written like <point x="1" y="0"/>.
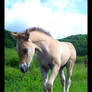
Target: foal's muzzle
<point x="24" y="67"/>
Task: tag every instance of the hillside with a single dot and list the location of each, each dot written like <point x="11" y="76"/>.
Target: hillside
<point x="9" y="41"/>
<point x="79" y="41"/>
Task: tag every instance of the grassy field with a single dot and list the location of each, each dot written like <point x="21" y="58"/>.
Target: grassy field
<point x="16" y="81"/>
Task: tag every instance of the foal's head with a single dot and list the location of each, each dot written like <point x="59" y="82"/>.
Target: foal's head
<point x="25" y="49"/>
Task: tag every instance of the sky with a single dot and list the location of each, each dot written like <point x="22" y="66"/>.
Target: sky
<point x="61" y="18"/>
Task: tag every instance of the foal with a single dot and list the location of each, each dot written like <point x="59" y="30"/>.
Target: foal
<point x="51" y="54"/>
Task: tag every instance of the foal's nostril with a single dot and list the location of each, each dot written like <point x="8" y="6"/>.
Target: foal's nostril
<point x="24" y="68"/>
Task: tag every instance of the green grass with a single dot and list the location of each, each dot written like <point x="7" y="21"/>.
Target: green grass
<point x="16" y="81"/>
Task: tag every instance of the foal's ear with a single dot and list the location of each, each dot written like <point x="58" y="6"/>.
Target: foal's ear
<point x="27" y="34"/>
<point x="14" y="35"/>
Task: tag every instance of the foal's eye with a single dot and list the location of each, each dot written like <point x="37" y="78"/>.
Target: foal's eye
<point x="25" y="51"/>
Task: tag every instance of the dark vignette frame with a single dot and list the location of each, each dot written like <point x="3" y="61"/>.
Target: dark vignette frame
<point x="2" y="45"/>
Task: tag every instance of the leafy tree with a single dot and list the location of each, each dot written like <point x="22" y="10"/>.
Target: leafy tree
<point x="9" y="41"/>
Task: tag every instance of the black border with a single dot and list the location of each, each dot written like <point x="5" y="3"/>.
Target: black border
<point x="2" y="45"/>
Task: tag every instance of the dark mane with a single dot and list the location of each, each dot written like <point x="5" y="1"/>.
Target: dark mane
<point x="40" y="30"/>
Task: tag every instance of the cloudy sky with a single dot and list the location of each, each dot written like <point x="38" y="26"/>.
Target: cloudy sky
<point x="59" y="17"/>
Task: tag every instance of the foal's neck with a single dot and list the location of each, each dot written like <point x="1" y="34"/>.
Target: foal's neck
<point x="40" y="40"/>
<point x="37" y="36"/>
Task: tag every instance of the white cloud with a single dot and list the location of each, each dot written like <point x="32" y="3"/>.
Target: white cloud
<point x="32" y="13"/>
<point x="60" y="4"/>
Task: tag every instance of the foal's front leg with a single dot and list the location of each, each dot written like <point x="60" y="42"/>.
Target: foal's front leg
<point x="44" y="72"/>
<point x="53" y="75"/>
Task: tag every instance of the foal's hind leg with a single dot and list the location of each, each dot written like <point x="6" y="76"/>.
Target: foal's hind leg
<point x="69" y="67"/>
<point x="62" y="76"/>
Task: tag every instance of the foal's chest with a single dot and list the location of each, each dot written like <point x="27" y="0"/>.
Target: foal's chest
<point x="45" y="61"/>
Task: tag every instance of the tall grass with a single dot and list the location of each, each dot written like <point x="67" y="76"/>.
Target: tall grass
<point x="16" y="81"/>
